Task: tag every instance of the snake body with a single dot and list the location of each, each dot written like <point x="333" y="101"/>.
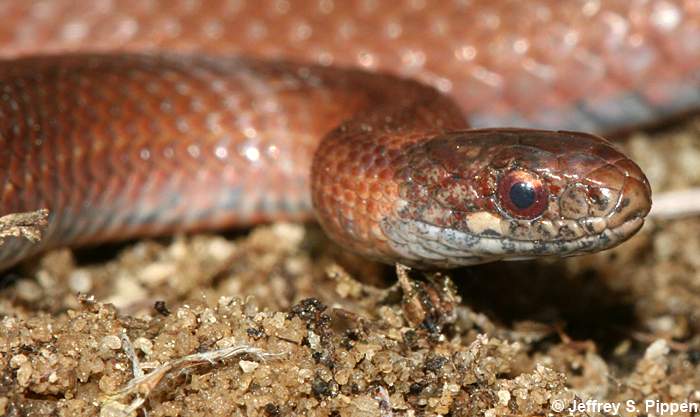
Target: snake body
<point x="141" y="118"/>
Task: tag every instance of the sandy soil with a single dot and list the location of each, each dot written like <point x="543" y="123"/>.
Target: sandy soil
<point x="278" y="321"/>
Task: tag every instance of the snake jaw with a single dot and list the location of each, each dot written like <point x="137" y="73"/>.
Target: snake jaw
<point x="425" y="245"/>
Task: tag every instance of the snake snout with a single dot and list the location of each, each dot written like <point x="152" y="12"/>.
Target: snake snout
<point x="635" y="196"/>
<point x="616" y="193"/>
<point x="606" y="192"/>
<point x="633" y="204"/>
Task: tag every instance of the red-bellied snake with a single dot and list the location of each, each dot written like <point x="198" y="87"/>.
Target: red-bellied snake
<point x="134" y="118"/>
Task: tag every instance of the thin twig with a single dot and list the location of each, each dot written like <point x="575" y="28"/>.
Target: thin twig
<point x="143" y="384"/>
<point x="676" y="204"/>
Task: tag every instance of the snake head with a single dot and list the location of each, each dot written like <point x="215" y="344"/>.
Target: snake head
<point x="482" y="195"/>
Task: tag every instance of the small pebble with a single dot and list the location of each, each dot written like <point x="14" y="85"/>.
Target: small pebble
<point x="248" y="366"/>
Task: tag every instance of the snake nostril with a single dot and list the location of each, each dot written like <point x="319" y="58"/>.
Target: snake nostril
<point x="602" y="200"/>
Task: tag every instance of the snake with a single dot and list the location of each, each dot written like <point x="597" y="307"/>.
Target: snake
<point x="431" y="134"/>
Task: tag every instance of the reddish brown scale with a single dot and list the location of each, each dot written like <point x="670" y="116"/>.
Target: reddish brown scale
<point x="554" y="189"/>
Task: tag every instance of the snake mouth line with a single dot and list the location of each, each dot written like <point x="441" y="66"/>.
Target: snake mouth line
<point x="426" y="244"/>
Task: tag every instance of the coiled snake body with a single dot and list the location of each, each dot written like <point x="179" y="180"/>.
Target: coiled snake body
<point x="140" y="118"/>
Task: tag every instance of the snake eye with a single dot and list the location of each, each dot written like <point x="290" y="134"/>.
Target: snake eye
<point x="522" y="194"/>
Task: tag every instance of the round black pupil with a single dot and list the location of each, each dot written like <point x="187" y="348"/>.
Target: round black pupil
<point x="522" y="195"/>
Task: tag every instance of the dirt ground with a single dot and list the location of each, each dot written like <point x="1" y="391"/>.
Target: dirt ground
<point x="277" y="321"/>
